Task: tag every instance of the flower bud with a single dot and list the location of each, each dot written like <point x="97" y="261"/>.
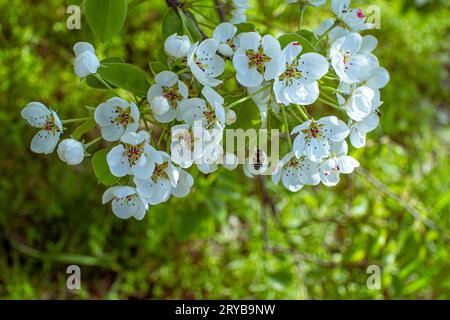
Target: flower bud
<point x="71" y="151"/>
<point x="177" y="46"/>
<point x="230" y="117"/>
<point x="86" y="61"/>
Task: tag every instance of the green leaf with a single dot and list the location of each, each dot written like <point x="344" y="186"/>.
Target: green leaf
<point x="101" y="168"/>
<point x="245" y="27"/>
<point x="106" y="17"/>
<point x="248" y="116"/>
<point x="156" y="67"/>
<point x="171" y="24"/>
<point x="308" y="35"/>
<point x="92" y="80"/>
<point x="85" y="127"/>
<point x="125" y="76"/>
<point x="287" y="38"/>
<point x="190" y="26"/>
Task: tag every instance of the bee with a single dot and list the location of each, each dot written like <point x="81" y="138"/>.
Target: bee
<point x="258" y="159"/>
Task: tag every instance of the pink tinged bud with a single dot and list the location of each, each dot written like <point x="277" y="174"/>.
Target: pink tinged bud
<point x="360" y="14"/>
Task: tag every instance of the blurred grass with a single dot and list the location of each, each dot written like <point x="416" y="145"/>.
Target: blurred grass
<point x="212" y="243"/>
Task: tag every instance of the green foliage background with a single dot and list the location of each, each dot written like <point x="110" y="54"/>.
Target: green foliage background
<point x="223" y="241"/>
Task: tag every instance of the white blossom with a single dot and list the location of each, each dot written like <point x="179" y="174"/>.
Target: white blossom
<point x="314" y="137"/>
<point x="359" y="130"/>
<point x="331" y="169"/>
<point x="134" y="156"/>
<point x="166" y="95"/>
<point x="210" y="113"/>
<point x="225" y="35"/>
<point x="295" y="173"/>
<point x="39" y="116"/>
<point x="86" y="62"/>
<point x="204" y="62"/>
<point x="188" y="144"/>
<point x="126" y="203"/>
<point x="257" y="59"/>
<point x="352" y="59"/>
<point x="165" y="181"/>
<point x="116" y="117"/>
<point x="239" y="11"/>
<point x="354" y="19"/>
<point x="298" y="82"/>
<point x="177" y="46"/>
<point x="358" y="102"/>
<point x="71" y="151"/>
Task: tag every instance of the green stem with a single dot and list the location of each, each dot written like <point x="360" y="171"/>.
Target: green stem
<point x="305" y="111"/>
<point x="75" y="120"/>
<point x="106" y="84"/>
<point x="233" y="104"/>
<point x="301" y="15"/>
<point x="182" y="71"/>
<point x="302" y="112"/>
<point x="327" y="88"/>
<point x="295" y="115"/>
<point x="287" y="126"/>
<point x="330" y="104"/>
<point x="87" y="145"/>
<point x="324" y="35"/>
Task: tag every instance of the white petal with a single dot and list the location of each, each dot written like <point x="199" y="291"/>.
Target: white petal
<point x="36" y="114"/>
<point x="352" y="43"/>
<point x="161" y="190"/>
<point x="82" y="47"/>
<point x="347" y="164"/>
<point x="224" y="32"/>
<point x="290" y="180"/>
<point x="159" y="105"/>
<point x="313" y="66"/>
<point x="184" y="185"/>
<point x="113" y="132"/>
<point x="240" y="61"/>
<point x="166" y="79"/>
<point x="44" y="142"/>
<point x="357" y="138"/>
<point x="369" y="43"/>
<point x="250" y="79"/>
<point x="123" y="208"/>
<point x="249" y="41"/>
<point x="271" y="47"/>
<point x="334" y="129"/>
<point x="317" y="149"/>
<point x="212" y="96"/>
<point x="379" y="78"/>
<point x="291" y="51"/>
<point x="145" y="169"/>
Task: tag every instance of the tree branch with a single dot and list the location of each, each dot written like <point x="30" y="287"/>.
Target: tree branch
<point x="220" y="10"/>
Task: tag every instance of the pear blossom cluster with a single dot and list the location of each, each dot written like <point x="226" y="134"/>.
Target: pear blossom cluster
<point x="188" y="106"/>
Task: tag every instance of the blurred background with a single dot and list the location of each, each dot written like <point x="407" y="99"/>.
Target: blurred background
<point x="233" y="237"/>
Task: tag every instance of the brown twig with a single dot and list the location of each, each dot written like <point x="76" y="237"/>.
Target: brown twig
<point x="220" y="11"/>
